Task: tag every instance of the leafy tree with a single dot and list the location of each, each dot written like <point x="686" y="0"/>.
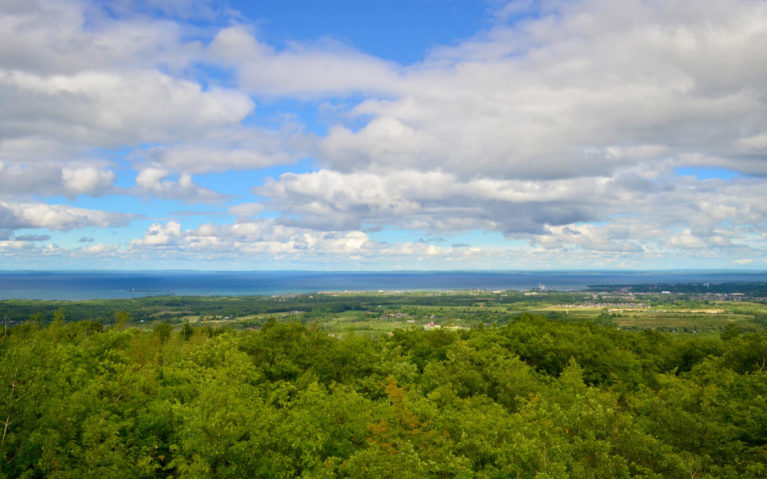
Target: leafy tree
<point x="535" y="398"/>
<point x="730" y="331"/>
<point x="122" y="319"/>
<point x="162" y="331"/>
<point x="187" y="331"/>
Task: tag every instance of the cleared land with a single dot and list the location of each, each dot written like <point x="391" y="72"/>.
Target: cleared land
<point x="342" y="313"/>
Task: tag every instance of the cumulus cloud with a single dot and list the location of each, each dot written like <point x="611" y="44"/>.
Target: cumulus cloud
<point x="86" y="180"/>
<point x="265" y="240"/>
<point x="205" y="159"/>
<point x="16" y="248"/>
<point x="560" y="127"/>
<point x="686" y="239"/>
<point x="251" y="237"/>
<point x="237" y="148"/>
<point x="96" y="250"/>
<point x="159" y="235"/>
<point x="78" y="77"/>
<point x="300" y="70"/>
<point x="69" y="36"/>
<point x="74" y="73"/>
<point x="111" y="109"/>
<point x="24" y="250"/>
<point x="589" y="88"/>
<point x="622" y="213"/>
<point x="154" y="182"/>
<point x="15" y="216"/>
<point x="434" y="201"/>
<point x="548" y="131"/>
<point x="53" y="178"/>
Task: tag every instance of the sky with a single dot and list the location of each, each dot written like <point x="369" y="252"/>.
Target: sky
<point x="383" y="134"/>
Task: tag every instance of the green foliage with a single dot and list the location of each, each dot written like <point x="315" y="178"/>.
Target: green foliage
<point x="730" y="331"/>
<point x="534" y="398"/>
<point x="186" y="331"/>
<point x="162" y="332"/>
<point x="122" y="318"/>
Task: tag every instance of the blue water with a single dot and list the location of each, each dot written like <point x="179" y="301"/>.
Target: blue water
<point x="127" y="284"/>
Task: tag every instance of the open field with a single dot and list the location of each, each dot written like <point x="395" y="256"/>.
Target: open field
<point x="368" y="313"/>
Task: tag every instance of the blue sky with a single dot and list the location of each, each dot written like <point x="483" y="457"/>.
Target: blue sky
<point x="401" y="31"/>
<point x="385" y="134"/>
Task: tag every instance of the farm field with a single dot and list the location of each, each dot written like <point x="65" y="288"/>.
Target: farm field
<point x="367" y="313"/>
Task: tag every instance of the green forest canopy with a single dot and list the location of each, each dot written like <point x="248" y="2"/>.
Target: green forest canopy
<point x="534" y="398"/>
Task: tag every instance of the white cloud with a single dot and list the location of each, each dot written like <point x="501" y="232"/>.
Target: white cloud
<point x="434" y="201"/>
<point x="23" y="250"/>
<point x="265" y="240"/>
<point x="36" y="149"/>
<point x="158" y="235"/>
<point x="110" y="109"/>
<point x="561" y="129"/>
<point x="237" y="148"/>
<point x="51" y="178"/>
<point x="207" y="159"/>
<point x="589" y="88"/>
<point x="755" y="144"/>
<point x="56" y="217"/>
<point x="153" y="182"/>
<point x="75" y="77"/>
<point x="98" y="249"/>
<point x="301" y="70"/>
<point x="590" y="237"/>
<point x="244" y="210"/>
<point x="624" y="213"/>
<point x="70" y="36"/>
<point x="87" y="180"/>
<point x="254" y="237"/>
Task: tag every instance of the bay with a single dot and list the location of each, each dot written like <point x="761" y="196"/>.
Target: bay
<point x="78" y="285"/>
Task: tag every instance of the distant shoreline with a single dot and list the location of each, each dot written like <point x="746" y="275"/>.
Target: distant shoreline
<point x="83" y="285"/>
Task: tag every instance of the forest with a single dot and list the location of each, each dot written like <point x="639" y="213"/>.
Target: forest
<point x="534" y="397"/>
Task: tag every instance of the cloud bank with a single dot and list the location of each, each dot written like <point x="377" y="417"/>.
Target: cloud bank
<point x="575" y="134"/>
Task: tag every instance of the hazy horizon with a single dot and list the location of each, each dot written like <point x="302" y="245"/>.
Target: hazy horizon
<point x="553" y="270"/>
<point x="78" y="285"/>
